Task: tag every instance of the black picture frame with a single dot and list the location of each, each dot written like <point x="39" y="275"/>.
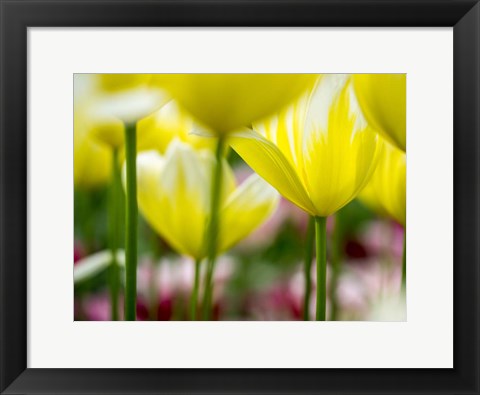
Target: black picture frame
<point x="18" y="15"/>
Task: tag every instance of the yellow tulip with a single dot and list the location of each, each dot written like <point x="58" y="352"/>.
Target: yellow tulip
<point x="383" y="100"/>
<point x="159" y="129"/>
<point x="319" y="153"/>
<point x="105" y="129"/>
<point x="369" y="198"/>
<point x="155" y="131"/>
<point x="129" y="97"/>
<point x="174" y="197"/>
<point x="386" y="191"/>
<point x="225" y="102"/>
<point x="92" y="161"/>
<point x="108" y="101"/>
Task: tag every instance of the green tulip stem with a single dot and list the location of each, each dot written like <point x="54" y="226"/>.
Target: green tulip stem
<point x="321" y="243"/>
<point x="336" y="259"/>
<point x="131" y="225"/>
<point x="212" y="229"/>
<point x="404" y="260"/>
<point x="114" y="236"/>
<point x="309" y="242"/>
<point x="194" y="296"/>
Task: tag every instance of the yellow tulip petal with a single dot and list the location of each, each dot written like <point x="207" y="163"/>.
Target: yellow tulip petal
<point x="122" y="82"/>
<point x="228" y="183"/>
<point x="246" y="208"/>
<point x="183" y="198"/>
<point x="108" y="130"/>
<point x="107" y="101"/>
<point x="174" y="194"/>
<point x="270" y="163"/>
<point x="383" y="99"/>
<point x="149" y="168"/>
<point x="369" y="197"/>
<point x="340" y="150"/>
<point x="225" y="102"/>
<point x="282" y="130"/>
<point x="169" y="200"/>
<point x="92" y="162"/>
<point x="159" y="129"/>
<point x="174" y="197"/>
<point x="386" y="192"/>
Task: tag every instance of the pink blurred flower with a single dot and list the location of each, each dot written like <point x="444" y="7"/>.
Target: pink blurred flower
<point x="78" y="251"/>
<point x="96" y="307"/>
<point x="171" y="279"/>
<point x="383" y="237"/>
<point x="277" y="303"/>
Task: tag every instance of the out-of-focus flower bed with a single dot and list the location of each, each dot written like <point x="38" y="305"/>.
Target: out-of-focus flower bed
<point x="262" y="277"/>
<point x="240" y="196"/>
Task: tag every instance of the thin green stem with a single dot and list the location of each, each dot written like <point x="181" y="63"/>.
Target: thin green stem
<point x="114" y="234"/>
<point x="309" y="242"/>
<point x="131" y="225"/>
<point x="212" y="231"/>
<point x="336" y="259"/>
<point x="321" y="242"/>
<point x="194" y="296"/>
<point x="404" y="260"/>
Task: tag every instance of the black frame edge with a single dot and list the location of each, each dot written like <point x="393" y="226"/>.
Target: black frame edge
<point x="13" y="198"/>
<point x="16" y="16"/>
<point x="466" y="150"/>
<point x="285" y="13"/>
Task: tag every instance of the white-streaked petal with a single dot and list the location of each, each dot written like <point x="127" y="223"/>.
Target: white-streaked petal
<point x="270" y="163"/>
<point x="284" y="130"/>
<point x="340" y="150"/>
<point x="322" y="99"/>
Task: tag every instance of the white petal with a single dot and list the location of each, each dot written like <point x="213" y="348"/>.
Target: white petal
<point x="132" y="105"/>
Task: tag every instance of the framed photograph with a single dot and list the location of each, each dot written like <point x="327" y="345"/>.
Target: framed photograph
<point x="232" y="178"/>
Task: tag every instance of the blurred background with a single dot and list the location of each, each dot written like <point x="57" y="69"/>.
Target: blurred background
<point x="261" y="278"/>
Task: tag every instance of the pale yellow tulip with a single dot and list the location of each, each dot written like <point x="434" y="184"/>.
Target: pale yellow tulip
<point x="174" y="197"/>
